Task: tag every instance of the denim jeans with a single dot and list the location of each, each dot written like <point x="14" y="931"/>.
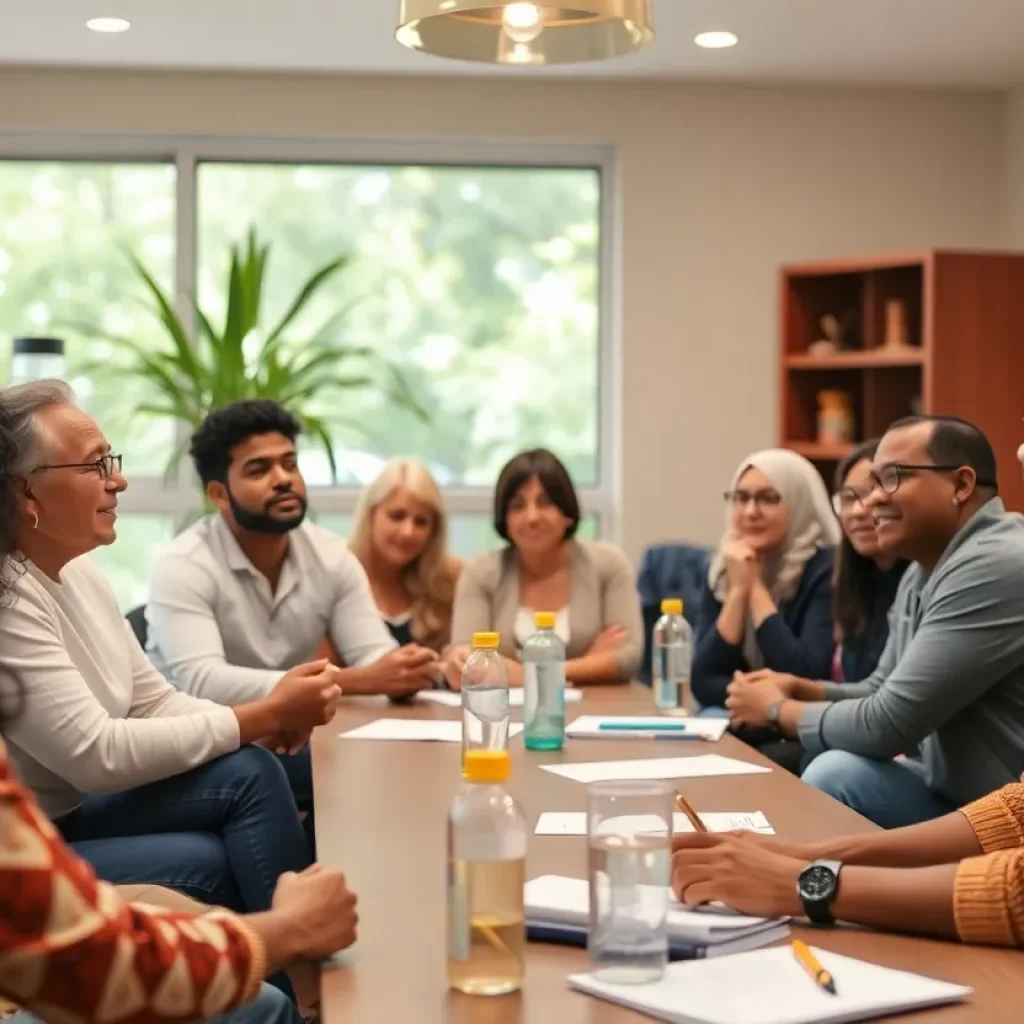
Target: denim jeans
<point x="222" y="833"/>
<point x="299" y="769"/>
<point x="889" y="793"/>
<point x="269" y="1007"/>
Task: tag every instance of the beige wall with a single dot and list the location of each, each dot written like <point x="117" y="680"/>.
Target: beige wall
<point x="1015" y="168"/>
<point x="719" y="185"/>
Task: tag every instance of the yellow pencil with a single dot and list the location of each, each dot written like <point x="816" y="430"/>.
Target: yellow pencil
<point x="810" y="964"/>
<point x="683" y="804"/>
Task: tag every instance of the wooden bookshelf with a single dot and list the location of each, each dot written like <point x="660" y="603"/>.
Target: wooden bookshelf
<point x="965" y="325"/>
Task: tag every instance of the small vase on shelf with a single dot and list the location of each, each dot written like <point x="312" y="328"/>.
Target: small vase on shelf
<point x="897" y="336"/>
<point x="835" y="418"/>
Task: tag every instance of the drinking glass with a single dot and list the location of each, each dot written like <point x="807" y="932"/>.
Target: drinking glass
<point x="629" y="832"/>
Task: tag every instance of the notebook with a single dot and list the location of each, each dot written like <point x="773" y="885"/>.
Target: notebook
<point x="557" y="900"/>
<point x="768" y="986"/>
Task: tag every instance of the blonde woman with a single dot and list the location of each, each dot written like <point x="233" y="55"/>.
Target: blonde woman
<point x="400" y="535"/>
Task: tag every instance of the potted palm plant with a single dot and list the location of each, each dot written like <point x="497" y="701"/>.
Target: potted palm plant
<point x="204" y="366"/>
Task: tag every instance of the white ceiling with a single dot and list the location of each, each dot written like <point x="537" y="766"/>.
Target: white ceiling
<point x="934" y="42"/>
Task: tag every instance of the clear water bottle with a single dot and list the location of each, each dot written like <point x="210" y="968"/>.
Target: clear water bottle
<point x="487" y="836"/>
<point x="544" y="686"/>
<point x="672" y="659"/>
<point x="484" y="697"/>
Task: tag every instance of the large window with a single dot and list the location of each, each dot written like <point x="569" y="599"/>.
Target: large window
<point x="480" y="280"/>
<point x="479" y="283"/>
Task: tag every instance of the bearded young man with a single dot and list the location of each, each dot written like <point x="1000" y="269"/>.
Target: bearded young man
<point x="248" y="594"/>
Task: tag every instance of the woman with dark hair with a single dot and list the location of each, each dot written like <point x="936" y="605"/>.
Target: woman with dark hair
<point x="865" y="579"/>
<point x="545" y="567"/>
<point x="71" y="943"/>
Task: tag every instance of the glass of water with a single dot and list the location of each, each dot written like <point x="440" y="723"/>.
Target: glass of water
<point x="629" y="831"/>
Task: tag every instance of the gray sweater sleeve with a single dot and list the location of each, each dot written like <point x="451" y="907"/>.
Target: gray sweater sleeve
<point x="971" y="636"/>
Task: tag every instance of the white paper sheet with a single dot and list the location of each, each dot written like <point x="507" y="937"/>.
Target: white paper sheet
<point x="414" y="729"/>
<point x="450" y="699"/>
<point x="574" y="823"/>
<point x="768" y="986"/>
<point x="589" y="727"/>
<point x="703" y="766"/>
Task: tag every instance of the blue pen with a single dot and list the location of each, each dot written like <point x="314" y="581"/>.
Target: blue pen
<point x="643" y="726"/>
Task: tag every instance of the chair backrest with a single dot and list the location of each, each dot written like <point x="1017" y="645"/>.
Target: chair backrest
<point x="137" y="620"/>
<point x="671" y="570"/>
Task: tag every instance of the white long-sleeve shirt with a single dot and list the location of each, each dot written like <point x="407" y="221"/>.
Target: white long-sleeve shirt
<point x="217" y="630"/>
<point x="96" y="715"/>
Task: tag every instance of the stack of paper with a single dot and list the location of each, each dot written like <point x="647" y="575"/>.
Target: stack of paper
<point x="557" y="909"/>
<point x="414" y="729"/>
<point x="451" y="699"/>
<point x="574" y="823"/>
<point x="770" y="987"/>
<point x="704" y="766"/>
<point x="626" y="727"/>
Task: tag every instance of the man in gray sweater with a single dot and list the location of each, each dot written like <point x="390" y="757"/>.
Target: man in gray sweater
<point x="949" y="690"/>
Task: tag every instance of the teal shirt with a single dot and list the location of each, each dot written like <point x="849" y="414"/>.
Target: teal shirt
<point x="949" y="687"/>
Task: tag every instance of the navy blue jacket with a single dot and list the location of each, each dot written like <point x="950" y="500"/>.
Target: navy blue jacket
<point x="797" y="639"/>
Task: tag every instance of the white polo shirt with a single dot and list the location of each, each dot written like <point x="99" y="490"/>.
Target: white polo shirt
<point x="216" y="629"/>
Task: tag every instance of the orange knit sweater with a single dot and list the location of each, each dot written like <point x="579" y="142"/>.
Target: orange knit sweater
<point x="988" y="898"/>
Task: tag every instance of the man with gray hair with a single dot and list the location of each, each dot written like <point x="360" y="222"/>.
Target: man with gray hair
<point x="148" y="784"/>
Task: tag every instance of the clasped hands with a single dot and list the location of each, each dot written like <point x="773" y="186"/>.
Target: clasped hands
<point x="751" y="694"/>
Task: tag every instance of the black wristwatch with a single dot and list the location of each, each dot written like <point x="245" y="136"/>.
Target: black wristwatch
<point x="817" y="887"/>
<point x="771" y="714"/>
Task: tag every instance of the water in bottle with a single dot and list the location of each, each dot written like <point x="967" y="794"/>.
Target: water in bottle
<point x="484" y="697"/>
<point x="671" y="659"/>
<point x="544" y="686"/>
<point x="487" y="836"/>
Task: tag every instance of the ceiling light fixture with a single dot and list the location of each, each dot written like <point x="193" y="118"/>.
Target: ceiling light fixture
<point x="108" y="25"/>
<point x="717" y="40"/>
<point x="494" y="32"/>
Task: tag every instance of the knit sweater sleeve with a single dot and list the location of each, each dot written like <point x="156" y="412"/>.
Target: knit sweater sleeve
<point x="988" y="896"/>
<point x="72" y="949"/>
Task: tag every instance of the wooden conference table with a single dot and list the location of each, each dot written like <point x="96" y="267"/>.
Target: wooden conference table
<point x="381" y="813"/>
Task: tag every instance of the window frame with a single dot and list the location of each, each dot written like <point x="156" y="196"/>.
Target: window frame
<point x="177" y="496"/>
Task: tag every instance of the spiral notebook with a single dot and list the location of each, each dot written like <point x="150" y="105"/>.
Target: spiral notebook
<point x="768" y="986"/>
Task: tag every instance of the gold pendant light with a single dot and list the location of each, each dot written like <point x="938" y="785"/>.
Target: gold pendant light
<point x="527" y="34"/>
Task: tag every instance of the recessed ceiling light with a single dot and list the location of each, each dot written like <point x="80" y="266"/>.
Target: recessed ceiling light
<point x="717" y="40"/>
<point x="108" y="24"/>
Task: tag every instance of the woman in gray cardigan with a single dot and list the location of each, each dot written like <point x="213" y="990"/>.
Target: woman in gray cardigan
<point x="589" y="586"/>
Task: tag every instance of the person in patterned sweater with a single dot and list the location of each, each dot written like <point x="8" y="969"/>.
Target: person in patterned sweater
<point x="72" y="949"/>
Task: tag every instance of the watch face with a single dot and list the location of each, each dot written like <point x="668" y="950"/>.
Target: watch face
<point x="817" y="883"/>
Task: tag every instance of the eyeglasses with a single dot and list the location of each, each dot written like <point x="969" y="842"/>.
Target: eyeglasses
<point x="104" y="466"/>
<point x="889" y="478"/>
<point x="761" y="499"/>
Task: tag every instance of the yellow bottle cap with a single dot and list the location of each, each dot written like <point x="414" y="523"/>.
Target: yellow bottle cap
<point x="487" y="640"/>
<point x="671" y="606"/>
<point x="486" y="766"/>
<point x="544" y="620"/>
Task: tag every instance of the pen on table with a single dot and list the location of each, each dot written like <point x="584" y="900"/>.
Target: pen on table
<point x="684" y="806"/>
<point x="806" y="958"/>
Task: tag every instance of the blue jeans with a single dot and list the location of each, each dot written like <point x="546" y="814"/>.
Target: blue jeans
<point x="222" y="833"/>
<point x="889" y="793"/>
<point x="269" y="1007"/>
<point x="299" y="769"/>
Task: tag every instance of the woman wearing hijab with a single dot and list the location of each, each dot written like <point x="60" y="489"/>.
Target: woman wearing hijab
<point x="768" y="601"/>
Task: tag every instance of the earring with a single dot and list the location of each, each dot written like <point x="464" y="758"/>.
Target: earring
<point x="956" y="502"/>
<point x="35" y="518"/>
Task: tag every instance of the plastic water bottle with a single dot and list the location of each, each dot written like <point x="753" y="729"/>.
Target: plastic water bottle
<point x="484" y="697"/>
<point x="544" y="686"/>
<point x="487" y="837"/>
<point x="672" y="659"/>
